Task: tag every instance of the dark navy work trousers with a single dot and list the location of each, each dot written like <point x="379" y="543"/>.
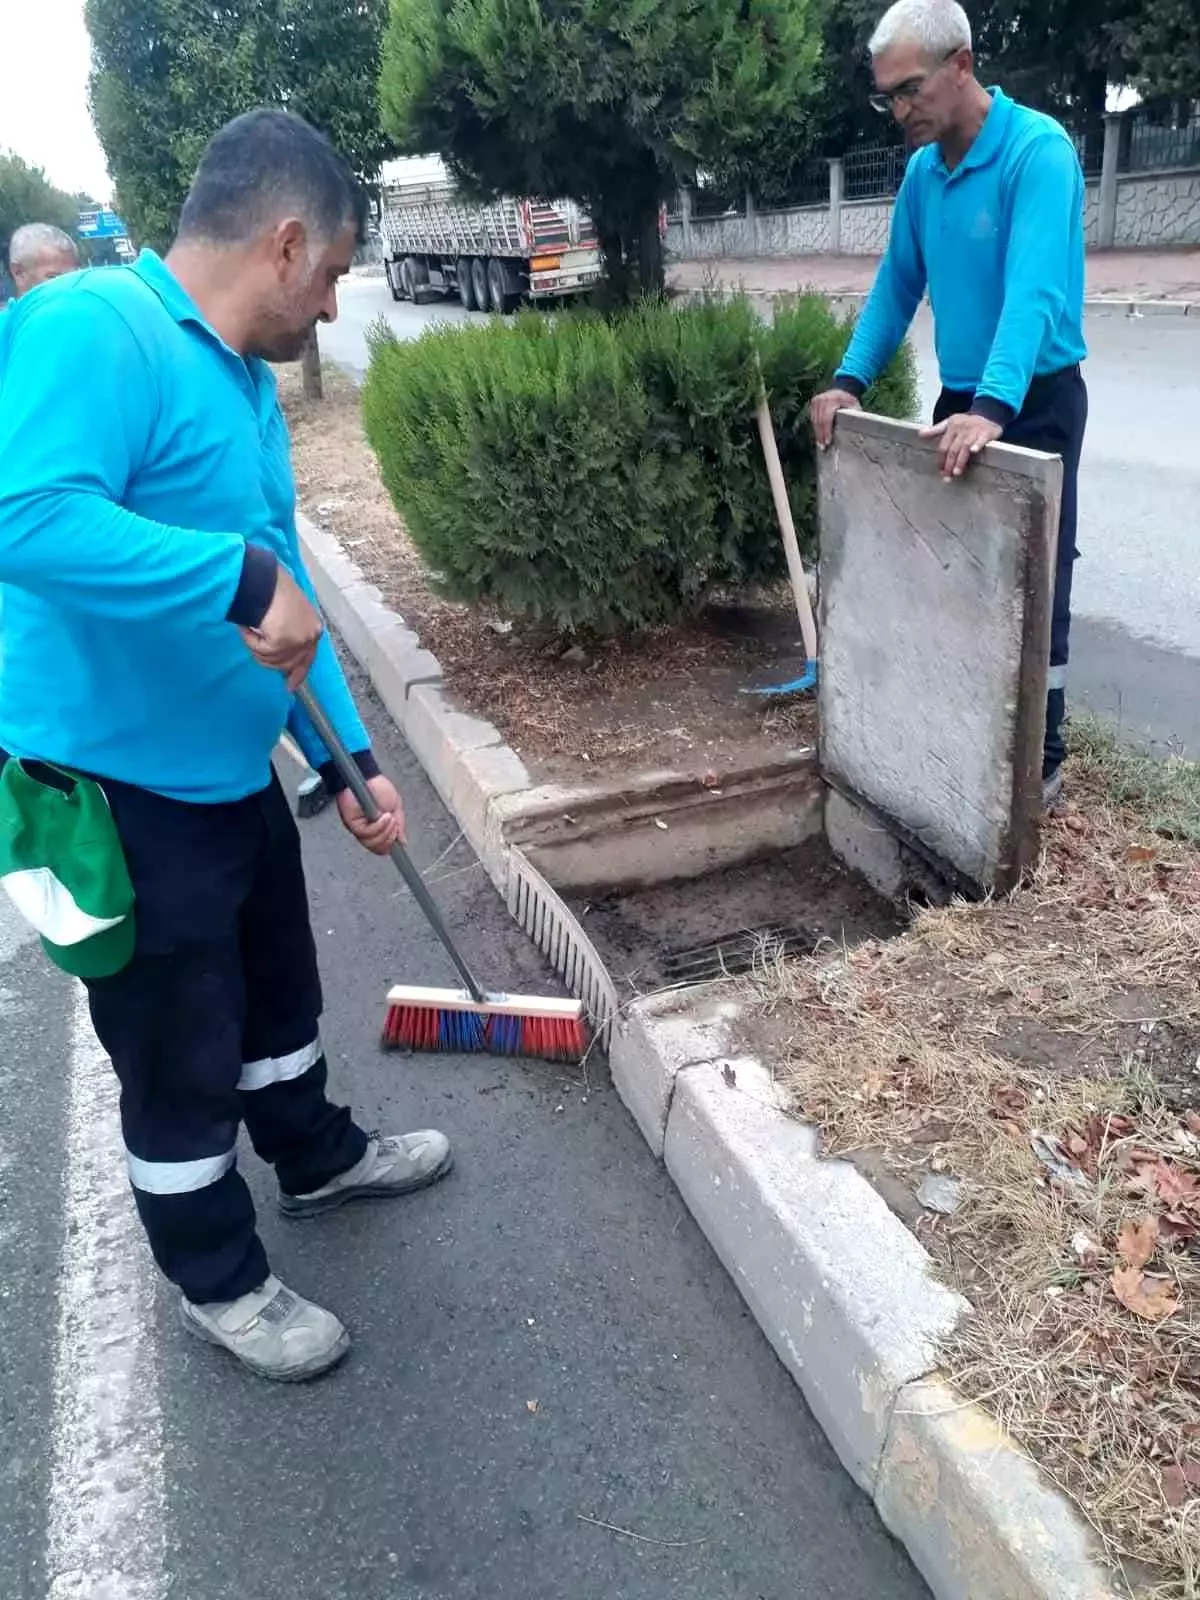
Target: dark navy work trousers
<point x="1053" y="419"/>
<point x="214" y="1023"/>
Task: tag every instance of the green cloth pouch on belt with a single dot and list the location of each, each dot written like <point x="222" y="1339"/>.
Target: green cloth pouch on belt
<point x="63" y="867"/>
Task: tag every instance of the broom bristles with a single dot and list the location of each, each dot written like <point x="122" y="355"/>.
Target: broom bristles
<point x="450" y="1020"/>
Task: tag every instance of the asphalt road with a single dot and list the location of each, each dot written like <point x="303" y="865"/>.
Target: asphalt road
<point x="1136" y="642"/>
<point x="542" y="1339"/>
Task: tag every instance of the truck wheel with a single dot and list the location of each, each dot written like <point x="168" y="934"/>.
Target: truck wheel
<point x="479" y="282"/>
<point x="416" y="277"/>
<point x="500" y="296"/>
<point x="395" y="280"/>
<point x="465" y="279"/>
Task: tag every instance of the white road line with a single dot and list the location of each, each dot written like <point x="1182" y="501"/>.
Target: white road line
<point x="106" y="1492"/>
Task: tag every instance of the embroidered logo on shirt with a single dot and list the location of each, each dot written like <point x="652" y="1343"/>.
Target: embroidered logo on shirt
<point x="984" y="225"/>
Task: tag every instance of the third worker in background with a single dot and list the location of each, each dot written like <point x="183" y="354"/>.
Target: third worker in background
<point x="989" y="220"/>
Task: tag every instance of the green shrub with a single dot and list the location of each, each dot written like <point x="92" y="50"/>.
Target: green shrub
<point x="602" y="473"/>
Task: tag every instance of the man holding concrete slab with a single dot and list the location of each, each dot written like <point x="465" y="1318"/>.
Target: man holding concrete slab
<point x="989" y="220"/>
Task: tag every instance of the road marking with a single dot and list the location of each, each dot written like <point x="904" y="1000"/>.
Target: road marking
<point x="106" y="1490"/>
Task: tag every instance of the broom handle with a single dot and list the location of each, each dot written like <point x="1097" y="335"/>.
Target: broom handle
<point x="783" y="511"/>
<point x="357" y="785"/>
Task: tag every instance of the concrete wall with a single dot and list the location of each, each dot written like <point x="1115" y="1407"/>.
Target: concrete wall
<point x="1152" y="210"/>
<point x="798" y="231"/>
<point x="935" y="632"/>
<point x="865" y="227"/>
<point x="1161" y="208"/>
<point x="1091" y="216"/>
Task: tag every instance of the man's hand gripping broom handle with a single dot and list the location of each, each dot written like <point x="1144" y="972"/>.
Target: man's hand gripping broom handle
<point x="357" y="785"/>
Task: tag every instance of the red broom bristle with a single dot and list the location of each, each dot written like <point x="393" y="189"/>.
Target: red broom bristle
<point x="553" y="1038"/>
<point x="411" y="1028"/>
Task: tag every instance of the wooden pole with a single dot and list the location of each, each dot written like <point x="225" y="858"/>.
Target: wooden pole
<point x="787" y="527"/>
<point x="310" y="366"/>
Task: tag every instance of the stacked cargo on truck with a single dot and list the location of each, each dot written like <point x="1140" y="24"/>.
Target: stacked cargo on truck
<point x="492" y="257"/>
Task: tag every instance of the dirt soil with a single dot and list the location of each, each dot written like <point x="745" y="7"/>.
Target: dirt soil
<point x="671" y="700"/>
<point x="800" y="900"/>
<point x="1041" y="1055"/>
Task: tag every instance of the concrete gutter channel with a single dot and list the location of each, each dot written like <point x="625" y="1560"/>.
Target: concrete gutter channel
<point x="844" y="1292"/>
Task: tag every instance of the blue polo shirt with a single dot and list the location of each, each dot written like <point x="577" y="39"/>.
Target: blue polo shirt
<point x="146" y="496"/>
<point x="999" y="243"/>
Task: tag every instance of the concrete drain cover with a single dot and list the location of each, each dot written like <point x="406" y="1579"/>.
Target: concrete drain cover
<point x="734" y="953"/>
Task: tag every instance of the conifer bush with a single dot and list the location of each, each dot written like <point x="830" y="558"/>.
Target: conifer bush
<point x="605" y="474"/>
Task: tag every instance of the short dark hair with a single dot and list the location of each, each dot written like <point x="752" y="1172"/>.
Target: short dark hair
<point x="266" y="164"/>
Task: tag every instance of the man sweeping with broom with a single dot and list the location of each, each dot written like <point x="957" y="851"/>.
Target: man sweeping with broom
<point x="156" y="616"/>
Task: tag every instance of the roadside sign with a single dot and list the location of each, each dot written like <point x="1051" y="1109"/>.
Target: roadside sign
<point x="101" y="224"/>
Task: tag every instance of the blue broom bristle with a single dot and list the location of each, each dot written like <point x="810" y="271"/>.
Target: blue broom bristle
<point x="462" y="1031"/>
<point x="504" y="1035"/>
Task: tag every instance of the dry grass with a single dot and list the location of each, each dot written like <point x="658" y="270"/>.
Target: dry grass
<point x="1045" y="1051"/>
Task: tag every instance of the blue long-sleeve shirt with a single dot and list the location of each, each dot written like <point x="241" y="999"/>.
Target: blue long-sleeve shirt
<point x="146" y="496"/>
<point x="999" y="242"/>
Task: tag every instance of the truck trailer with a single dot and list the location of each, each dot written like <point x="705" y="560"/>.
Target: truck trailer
<point x="492" y="257"/>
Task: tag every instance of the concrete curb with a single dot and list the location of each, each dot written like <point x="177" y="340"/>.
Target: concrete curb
<point x="844" y="1292"/>
<point x="1115" y="305"/>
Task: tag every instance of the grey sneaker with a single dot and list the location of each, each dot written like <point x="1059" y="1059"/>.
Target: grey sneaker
<point x="395" y="1164"/>
<point x="272" y="1331"/>
<point x="1052" y="792"/>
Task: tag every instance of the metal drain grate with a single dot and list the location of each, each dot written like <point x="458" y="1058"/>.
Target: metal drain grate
<point x="552" y="925"/>
<point x="734" y="953"/>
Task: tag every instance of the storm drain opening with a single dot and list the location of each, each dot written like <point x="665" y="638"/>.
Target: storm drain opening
<point x="728" y="923"/>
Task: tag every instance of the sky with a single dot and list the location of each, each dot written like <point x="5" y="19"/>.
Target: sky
<point x="45" y="56"/>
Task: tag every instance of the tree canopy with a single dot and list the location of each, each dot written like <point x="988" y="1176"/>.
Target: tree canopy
<point x="168" y="73"/>
<point x="613" y="103"/>
<point x="27" y="195"/>
<point x="1062" y="56"/>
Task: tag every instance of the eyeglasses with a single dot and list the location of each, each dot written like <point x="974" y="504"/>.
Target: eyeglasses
<point x="910" y="89"/>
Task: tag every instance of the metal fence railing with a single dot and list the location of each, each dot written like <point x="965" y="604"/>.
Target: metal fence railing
<point x="714" y="200"/>
<point x="1153" y="137"/>
<point x="873" y="174"/>
<point x="809" y="185"/>
<point x="1087" y="134"/>
<point x="1157" y="137"/>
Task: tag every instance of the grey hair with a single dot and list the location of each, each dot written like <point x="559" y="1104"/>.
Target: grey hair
<point x="939" y="26"/>
<point x="33" y="240"/>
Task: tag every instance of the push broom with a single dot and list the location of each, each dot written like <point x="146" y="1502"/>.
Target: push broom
<point x="455" y="1020"/>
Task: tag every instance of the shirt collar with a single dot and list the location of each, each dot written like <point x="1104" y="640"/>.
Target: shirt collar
<point x="154" y="272"/>
<point x="989" y="139"/>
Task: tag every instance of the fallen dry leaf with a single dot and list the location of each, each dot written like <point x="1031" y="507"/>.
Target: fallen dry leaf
<point x="1009" y="1099"/>
<point x="1180" y="1481"/>
<point x="1179" y="1227"/>
<point x="1176" y="1186"/>
<point x="1174" y="1486"/>
<point x="1138" y="1240"/>
<point x="1191" y="1121"/>
<point x="1152" y="1299"/>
